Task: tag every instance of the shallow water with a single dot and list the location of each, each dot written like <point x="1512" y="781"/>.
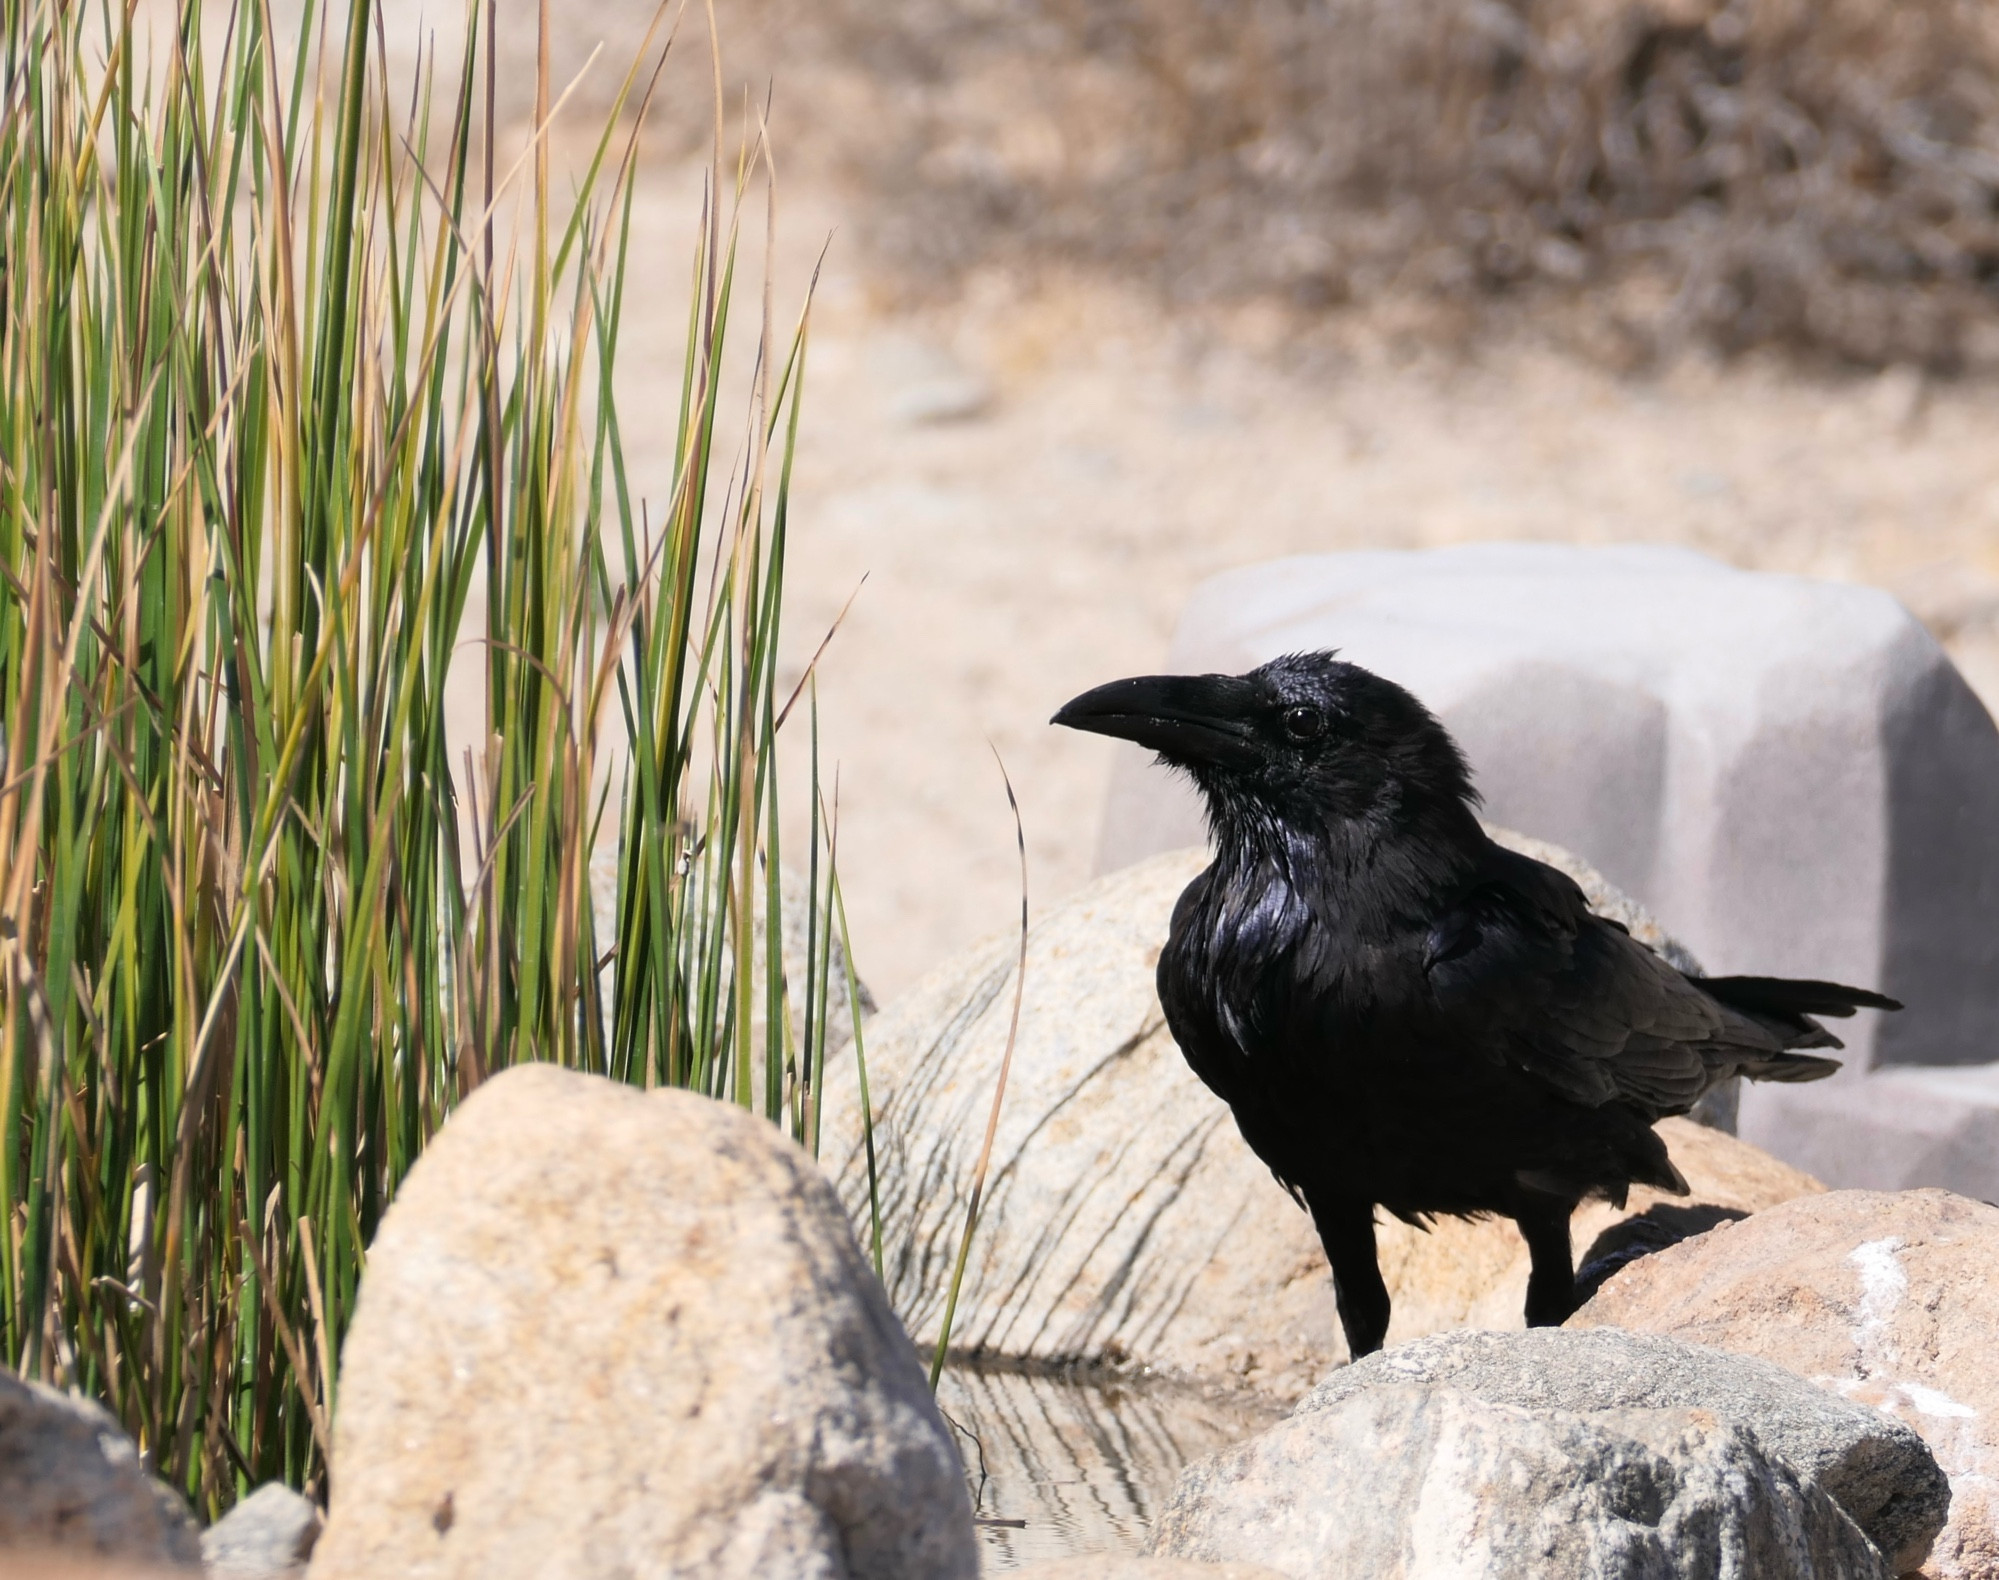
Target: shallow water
<point x="1083" y="1464"/>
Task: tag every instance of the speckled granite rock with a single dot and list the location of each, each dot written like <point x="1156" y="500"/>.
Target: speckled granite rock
<point x="270" y="1535"/>
<point x="72" y="1487"/>
<point x="1875" y="1468"/>
<point x="1428" y="1483"/>
<point x="605" y="1331"/>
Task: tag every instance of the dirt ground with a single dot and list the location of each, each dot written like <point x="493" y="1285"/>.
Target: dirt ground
<point x="1032" y="484"/>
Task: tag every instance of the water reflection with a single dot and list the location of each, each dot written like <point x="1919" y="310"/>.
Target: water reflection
<point x="1083" y="1464"/>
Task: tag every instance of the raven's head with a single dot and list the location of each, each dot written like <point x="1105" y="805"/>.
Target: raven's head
<point x="1304" y="739"/>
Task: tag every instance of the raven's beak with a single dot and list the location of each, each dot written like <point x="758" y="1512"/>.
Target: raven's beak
<point x="1187" y="719"/>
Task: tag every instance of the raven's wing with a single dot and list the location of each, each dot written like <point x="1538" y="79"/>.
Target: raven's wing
<point x="1521" y="970"/>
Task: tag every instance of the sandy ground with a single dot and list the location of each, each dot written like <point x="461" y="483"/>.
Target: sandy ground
<point x="1032" y="484"/>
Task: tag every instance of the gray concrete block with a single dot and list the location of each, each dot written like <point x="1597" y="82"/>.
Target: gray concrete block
<point x="1789" y="774"/>
<point x="1899" y="1128"/>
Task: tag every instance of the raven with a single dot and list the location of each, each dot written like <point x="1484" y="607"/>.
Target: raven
<point x="1402" y="1013"/>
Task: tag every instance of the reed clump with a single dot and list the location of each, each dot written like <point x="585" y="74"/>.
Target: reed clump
<point x="299" y="371"/>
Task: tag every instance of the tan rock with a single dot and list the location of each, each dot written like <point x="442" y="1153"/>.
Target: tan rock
<point x="72" y="1488"/>
<point x="1124" y="1218"/>
<point x="1887" y="1298"/>
<point x="612" y="1332"/>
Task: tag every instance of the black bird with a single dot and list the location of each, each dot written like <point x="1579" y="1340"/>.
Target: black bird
<point x="1402" y="1013"/>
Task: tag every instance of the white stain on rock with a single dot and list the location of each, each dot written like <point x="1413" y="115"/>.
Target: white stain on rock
<point x="1884" y="1297"/>
<point x="1883" y="1287"/>
<point x="1933" y="1401"/>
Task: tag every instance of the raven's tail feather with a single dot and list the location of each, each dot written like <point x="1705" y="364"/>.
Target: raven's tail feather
<point x="1784" y="1007"/>
<point x="1787" y="996"/>
<point x="1788" y="1067"/>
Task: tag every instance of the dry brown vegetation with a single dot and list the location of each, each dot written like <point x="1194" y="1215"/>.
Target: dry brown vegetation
<point x="1820" y="174"/>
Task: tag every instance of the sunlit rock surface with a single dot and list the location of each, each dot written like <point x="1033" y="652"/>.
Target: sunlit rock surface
<point x="1874" y="1467"/>
<point x="1888" y="1299"/>
<point x="605" y="1331"/>
<point x="268" y="1536"/>
<point x="1428" y="1483"/>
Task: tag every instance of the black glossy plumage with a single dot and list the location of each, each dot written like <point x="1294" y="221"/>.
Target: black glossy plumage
<point x="1402" y="1013"/>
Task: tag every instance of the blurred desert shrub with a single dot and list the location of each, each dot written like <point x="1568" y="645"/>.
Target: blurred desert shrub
<point x="1819" y="174"/>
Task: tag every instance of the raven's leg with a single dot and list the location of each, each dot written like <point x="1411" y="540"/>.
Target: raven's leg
<point x="1551" y="1284"/>
<point x="1346" y="1229"/>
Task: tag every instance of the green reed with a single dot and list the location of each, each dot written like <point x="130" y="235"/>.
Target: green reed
<point x="283" y="386"/>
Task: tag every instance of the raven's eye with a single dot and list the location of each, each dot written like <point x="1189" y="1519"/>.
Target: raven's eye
<point x="1303" y="724"/>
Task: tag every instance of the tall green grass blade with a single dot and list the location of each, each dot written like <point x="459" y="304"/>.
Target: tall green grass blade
<point x="279" y="391"/>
